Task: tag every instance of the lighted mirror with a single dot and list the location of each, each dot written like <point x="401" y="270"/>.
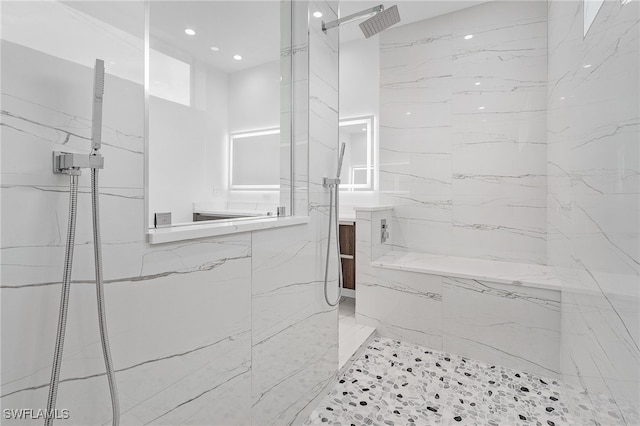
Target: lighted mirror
<point x="254" y="162"/>
<point x="357" y="166"/>
<point x="218" y="99"/>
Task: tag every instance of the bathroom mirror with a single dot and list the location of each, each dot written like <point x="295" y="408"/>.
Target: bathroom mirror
<point x="217" y="100"/>
<point x="357" y="166"/>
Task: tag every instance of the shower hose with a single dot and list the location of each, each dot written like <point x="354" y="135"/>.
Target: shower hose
<point x="64" y="300"/>
<point x="334" y="193"/>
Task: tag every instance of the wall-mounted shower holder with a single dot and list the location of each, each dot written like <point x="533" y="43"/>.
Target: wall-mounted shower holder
<point x="70" y="163"/>
<point x="326" y="182"/>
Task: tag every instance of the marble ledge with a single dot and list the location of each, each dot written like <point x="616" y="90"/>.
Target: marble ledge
<point x="521" y="274"/>
<point x="372" y="208"/>
<point x="220" y="227"/>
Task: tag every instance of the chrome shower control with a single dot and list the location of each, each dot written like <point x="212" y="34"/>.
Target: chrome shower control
<point x="384" y="231"/>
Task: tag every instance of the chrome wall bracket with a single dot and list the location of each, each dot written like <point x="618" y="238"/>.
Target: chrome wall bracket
<point x="326" y="182"/>
<point x="70" y="163"/>
<point x="352" y="17"/>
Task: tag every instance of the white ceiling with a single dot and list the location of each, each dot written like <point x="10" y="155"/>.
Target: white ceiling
<point x="248" y="28"/>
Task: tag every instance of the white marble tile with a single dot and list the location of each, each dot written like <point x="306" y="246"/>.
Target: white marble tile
<point x="447" y="153"/>
<point x="592" y="127"/>
<point x="497" y="323"/>
<point x="426" y="228"/>
<point x="402" y="305"/>
<point x="500" y="228"/>
<point x="144" y="342"/>
<point x="300" y="360"/>
<point x="180" y="315"/>
<point x="282" y="291"/>
<point x="516" y="274"/>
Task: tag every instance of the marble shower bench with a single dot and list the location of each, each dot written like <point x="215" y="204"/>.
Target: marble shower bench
<point x="498" y="312"/>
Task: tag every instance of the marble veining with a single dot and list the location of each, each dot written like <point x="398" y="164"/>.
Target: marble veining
<point x="478" y="98"/>
<point x="197" y="328"/>
<point x="594" y="196"/>
<point x="518" y="274"/>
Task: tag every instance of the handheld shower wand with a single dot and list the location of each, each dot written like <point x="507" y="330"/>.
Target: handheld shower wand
<point x="340" y="158"/>
<point x="96" y="113"/>
<point x="334" y="195"/>
<point x="71" y="164"/>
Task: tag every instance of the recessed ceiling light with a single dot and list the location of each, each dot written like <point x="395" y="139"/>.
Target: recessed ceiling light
<point x="190" y="31"/>
<point x="562" y="98"/>
<point x="408" y="113"/>
<point x="237" y="57"/>
<point x="317" y="14"/>
<point x="481" y="107"/>
<point x="477" y="83"/>
<point x="468" y="37"/>
<point x="215" y="48"/>
<point x="587" y="65"/>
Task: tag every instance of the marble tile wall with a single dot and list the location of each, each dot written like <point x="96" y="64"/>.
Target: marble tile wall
<point x="593" y="163"/>
<point x="502" y="324"/>
<point x="462" y="143"/>
<point x="295" y="333"/>
<point x="225" y="330"/>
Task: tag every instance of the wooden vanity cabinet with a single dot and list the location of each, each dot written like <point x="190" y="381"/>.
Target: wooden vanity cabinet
<point x="348" y="254"/>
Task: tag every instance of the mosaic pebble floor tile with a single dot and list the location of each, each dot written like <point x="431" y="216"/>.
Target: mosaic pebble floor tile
<point x="395" y="383"/>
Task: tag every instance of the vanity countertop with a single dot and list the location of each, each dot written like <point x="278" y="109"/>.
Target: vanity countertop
<point x="347" y="218"/>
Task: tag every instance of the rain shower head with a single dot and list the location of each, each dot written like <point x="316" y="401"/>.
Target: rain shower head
<point x="380" y="21"/>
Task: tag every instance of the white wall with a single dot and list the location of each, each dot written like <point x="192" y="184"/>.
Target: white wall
<point x="466" y="169"/>
<point x="187" y="147"/>
<point x="254" y="103"/>
<point x="254" y="98"/>
<point x="593" y="161"/>
<point x="360" y="96"/>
